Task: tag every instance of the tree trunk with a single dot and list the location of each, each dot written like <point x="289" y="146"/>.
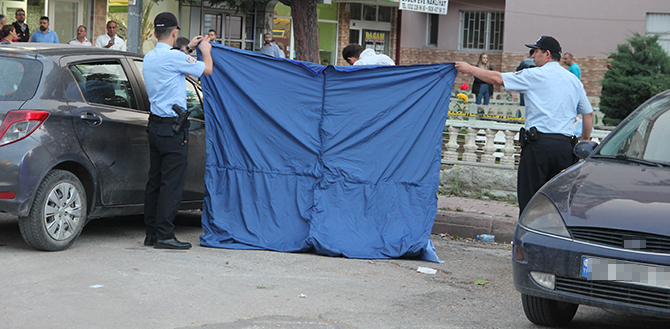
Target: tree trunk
<point x="306" y="30"/>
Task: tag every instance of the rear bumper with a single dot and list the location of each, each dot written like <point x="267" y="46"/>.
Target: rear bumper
<point x="22" y="165"/>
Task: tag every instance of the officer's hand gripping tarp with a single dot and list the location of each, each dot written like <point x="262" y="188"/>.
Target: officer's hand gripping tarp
<point x="335" y="160"/>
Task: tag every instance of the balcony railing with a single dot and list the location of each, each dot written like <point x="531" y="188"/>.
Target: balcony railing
<point x="487" y="138"/>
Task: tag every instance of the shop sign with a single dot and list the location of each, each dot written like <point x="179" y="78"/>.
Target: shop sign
<point x="425" y="6"/>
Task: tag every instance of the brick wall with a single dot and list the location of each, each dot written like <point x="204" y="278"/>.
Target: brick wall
<point x="99" y="20"/>
<point x="593" y="67"/>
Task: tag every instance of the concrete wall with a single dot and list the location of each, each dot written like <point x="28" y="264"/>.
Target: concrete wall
<point x="584" y="28"/>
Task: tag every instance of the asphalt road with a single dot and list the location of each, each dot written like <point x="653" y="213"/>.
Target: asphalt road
<point x="108" y="279"/>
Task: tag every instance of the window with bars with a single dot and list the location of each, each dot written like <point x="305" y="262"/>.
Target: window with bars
<point x="481" y="30"/>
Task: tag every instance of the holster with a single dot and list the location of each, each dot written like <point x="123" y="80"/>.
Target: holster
<point x="527" y="136"/>
<point x="181" y="120"/>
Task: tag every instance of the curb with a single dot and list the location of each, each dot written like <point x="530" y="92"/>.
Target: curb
<point x="469" y="225"/>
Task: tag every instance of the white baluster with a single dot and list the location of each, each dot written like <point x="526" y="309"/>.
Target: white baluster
<point x="452" y="145"/>
<point x="470" y="147"/>
<point x="489" y="148"/>
<point x="508" y="150"/>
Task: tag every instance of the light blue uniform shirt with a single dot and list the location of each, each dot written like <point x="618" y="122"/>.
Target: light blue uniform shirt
<point x="49" y="37"/>
<point x="554" y="97"/>
<point x="164" y="73"/>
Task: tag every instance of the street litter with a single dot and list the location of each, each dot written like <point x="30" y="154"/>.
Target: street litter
<point x="96" y="286"/>
<point x="302" y="296"/>
<point x="426" y="270"/>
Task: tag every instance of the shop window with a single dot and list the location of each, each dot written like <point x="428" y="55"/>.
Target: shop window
<point x="384" y="14"/>
<point x="369" y="13"/>
<point x="355" y="11"/>
<point x="481" y="30"/>
<point x="354" y="36"/>
<point x="433" y="28"/>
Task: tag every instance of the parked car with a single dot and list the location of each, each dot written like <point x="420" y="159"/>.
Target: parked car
<point x="73" y="141"/>
<point x="599" y="233"/>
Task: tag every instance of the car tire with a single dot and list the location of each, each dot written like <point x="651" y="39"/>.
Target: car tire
<point x="57" y="214"/>
<point x="547" y="312"/>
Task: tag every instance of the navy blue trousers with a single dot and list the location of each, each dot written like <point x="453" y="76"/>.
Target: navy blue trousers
<point x="167" y="175"/>
<point x="540" y="161"/>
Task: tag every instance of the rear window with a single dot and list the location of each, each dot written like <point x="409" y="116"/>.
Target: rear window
<point x="20" y="78"/>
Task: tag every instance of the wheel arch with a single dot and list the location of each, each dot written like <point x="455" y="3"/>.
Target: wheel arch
<point x="84" y="175"/>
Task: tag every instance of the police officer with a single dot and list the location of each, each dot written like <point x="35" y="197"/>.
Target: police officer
<point x="164" y="76"/>
<point x="554" y="97"/>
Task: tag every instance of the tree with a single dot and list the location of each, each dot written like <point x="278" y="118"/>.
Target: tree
<point x="640" y="70"/>
<point x="305" y="24"/>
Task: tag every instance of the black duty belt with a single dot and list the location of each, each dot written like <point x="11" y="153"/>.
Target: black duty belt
<point x="559" y="137"/>
<point x="156" y="118"/>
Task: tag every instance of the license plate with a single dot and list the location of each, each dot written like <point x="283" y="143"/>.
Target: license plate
<point x="603" y="269"/>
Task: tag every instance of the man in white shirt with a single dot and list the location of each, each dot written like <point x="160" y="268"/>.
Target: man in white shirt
<point x="355" y="55"/>
<point x="110" y="40"/>
<point x="81" y="39"/>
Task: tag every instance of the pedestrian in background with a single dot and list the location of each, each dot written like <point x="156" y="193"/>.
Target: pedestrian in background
<point x="212" y="35"/>
<point x="569" y="61"/>
<point x="555" y="97"/>
<point x="182" y="44"/>
<point x="8" y="35"/>
<point x="81" y="39"/>
<point x="3" y="21"/>
<point x="281" y="52"/>
<point x="110" y="40"/>
<point x="22" y="29"/>
<point x="481" y="89"/>
<point x="164" y="74"/>
<point x="355" y="55"/>
<point x="45" y="34"/>
<point x="268" y="48"/>
<point x="526" y="63"/>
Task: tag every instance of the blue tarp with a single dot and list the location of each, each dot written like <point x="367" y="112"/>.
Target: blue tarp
<point x="341" y="161"/>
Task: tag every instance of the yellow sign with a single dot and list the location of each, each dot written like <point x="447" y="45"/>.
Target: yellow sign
<point x="375" y="37"/>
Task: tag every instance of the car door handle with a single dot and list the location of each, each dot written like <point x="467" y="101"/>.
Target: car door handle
<point x="90" y="118"/>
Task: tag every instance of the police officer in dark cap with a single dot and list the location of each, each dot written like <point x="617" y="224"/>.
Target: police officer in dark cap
<point x="164" y="73"/>
<point x="554" y="98"/>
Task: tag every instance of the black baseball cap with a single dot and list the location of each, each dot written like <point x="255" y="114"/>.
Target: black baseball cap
<point x="166" y="19"/>
<point x="547" y="43"/>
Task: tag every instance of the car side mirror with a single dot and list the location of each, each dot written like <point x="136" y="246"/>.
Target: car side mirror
<point x="584" y="148"/>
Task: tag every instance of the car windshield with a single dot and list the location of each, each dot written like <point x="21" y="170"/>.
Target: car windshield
<point x="20" y="78"/>
<point x="645" y="136"/>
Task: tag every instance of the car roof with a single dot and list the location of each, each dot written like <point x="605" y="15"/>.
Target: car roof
<point x="57" y="50"/>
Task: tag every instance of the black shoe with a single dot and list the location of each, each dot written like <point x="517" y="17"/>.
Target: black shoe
<point x="172" y="244"/>
<point x="150" y="240"/>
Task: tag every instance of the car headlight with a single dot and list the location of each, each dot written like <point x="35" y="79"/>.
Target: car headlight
<point x="541" y="215"/>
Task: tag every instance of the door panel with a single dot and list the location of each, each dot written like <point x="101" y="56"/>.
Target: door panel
<point x="112" y="131"/>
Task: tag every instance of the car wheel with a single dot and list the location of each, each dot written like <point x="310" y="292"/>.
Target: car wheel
<point x="58" y="212"/>
<point x="547" y="312"/>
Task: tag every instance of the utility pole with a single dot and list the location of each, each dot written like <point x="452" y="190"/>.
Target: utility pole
<point x="134" y="34"/>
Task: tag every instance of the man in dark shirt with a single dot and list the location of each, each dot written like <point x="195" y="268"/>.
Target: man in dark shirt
<point x="22" y="29"/>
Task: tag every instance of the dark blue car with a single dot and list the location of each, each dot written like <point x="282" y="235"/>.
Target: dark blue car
<point x="73" y="141"/>
<point x="599" y="233"/>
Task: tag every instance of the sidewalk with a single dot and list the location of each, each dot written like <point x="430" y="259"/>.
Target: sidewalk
<point x="467" y="218"/>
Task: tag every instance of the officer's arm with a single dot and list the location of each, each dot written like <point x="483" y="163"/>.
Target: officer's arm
<point x="488" y="76"/>
<point x="206" y="50"/>
<point x="587" y="126"/>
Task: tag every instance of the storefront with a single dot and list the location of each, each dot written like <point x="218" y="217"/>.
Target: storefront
<point x="370" y="26"/>
<point x="327" y="20"/>
<point x="64" y="15"/>
<point x="233" y="29"/>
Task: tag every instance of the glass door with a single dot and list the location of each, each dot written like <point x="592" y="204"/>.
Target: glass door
<point x="66" y="16"/>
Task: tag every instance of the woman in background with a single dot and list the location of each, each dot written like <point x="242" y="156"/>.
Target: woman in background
<point x="480" y="88"/>
<point x="8" y="34"/>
